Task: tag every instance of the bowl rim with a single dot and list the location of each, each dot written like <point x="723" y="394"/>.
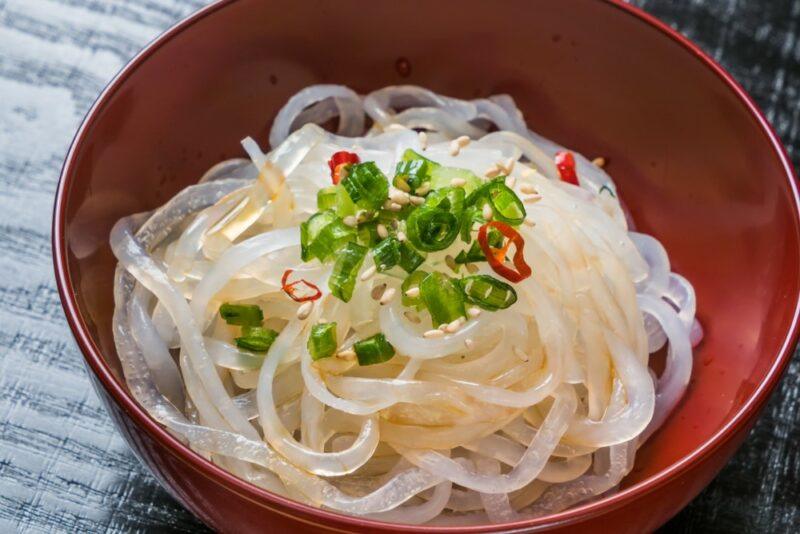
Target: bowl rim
<point x="117" y="389"/>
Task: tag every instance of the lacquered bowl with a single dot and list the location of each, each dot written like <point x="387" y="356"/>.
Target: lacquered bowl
<point x="695" y="160"/>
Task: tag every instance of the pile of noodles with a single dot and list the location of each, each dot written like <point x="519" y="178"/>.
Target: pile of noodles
<point x="546" y="407"/>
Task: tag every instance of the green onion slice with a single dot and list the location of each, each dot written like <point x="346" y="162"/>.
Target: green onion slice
<point x="241" y="314"/>
<point x="410" y="258"/>
<point x="475" y="253"/>
<point x="412" y="171"/>
<point x="487" y="292"/>
<point x="256" y="338"/>
<point x="322" y="341"/>
<point x="450" y="199"/>
<point x="335" y="198"/>
<point x="366" y="185"/>
<point x="443" y="177"/>
<point x="373" y="350"/>
<point x="431" y="229"/>
<point x="443" y="298"/>
<point x="322" y="235"/>
<point x="345" y="270"/>
<point x="506" y="205"/>
<point x="386" y="254"/>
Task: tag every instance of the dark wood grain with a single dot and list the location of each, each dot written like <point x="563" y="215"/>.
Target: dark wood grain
<point x="62" y="465"/>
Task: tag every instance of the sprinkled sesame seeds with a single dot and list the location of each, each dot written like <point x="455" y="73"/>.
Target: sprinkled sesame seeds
<point x="368" y="273"/>
<point x="458" y="182"/>
<point x="528" y="222"/>
<point x="350" y="220"/>
<point x="417" y="201"/>
<point x="531" y="199"/>
<point x="413" y="292"/>
<point x="451" y="262"/>
<point x="305" y="310"/>
<point x="423" y="140"/>
<point x="433" y="334"/>
<point x="469" y="343"/>
<point x="387" y="296"/>
<point x="401" y="236"/>
<point x="521" y="355"/>
<point x="472" y="268"/>
<point x="600" y="162"/>
<point x="348" y="354"/>
<point x="454" y="326"/>
<point x="474" y="311"/>
<point x="383" y="233"/>
<point x="412" y="316"/>
<point x="527" y="189"/>
<point x="510" y="181"/>
<point x="377" y="291"/>
<point x="424" y="189"/>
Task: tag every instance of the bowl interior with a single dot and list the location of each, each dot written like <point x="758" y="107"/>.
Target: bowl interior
<point x="692" y="162"/>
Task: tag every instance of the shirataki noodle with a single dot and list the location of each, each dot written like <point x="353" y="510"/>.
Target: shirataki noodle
<point x="500" y="415"/>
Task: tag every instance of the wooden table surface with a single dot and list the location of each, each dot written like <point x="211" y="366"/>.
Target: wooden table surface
<point x="62" y="465"/>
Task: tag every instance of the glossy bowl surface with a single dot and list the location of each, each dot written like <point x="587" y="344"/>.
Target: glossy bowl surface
<point x="693" y="157"/>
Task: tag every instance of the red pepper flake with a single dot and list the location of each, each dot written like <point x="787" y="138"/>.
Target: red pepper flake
<point x="497" y="256"/>
<point x="293" y="289"/>
<point x="565" y="163"/>
<point x="339" y="161"/>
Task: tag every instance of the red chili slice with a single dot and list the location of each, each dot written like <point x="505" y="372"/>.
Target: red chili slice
<point x="292" y="289"/>
<point x="339" y="161"/>
<point x="496" y="256"/>
<point x="565" y="163"/>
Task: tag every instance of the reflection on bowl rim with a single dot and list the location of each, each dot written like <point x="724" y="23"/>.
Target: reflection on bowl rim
<point x="118" y="390"/>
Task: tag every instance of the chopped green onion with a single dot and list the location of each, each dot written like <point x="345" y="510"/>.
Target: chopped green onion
<point x="322" y="341"/>
<point x="412" y="281"/>
<point x="241" y="314"/>
<point x="343" y="278"/>
<point x="444" y="300"/>
<point x="366" y="185"/>
<point x="475" y="253"/>
<point x="443" y="176"/>
<point x="322" y="235"/>
<point x="335" y="198"/>
<point x="447" y="198"/>
<point x="506" y="205"/>
<point x="386" y="254"/>
<point x="373" y="350"/>
<point x="410" y="259"/>
<point x="413" y="170"/>
<point x="488" y="292"/>
<point x="256" y="338"/>
<point x="470" y="216"/>
<point x="431" y="229"/>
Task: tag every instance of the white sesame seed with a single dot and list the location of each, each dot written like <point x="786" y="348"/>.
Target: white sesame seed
<point x="394" y="127"/>
<point x="600" y="162"/>
<point x="394" y="206"/>
<point x="387" y="296"/>
<point x="432" y="334"/>
<point x="492" y="171"/>
<point x="413" y="292"/>
<point x="442" y="326"/>
<point x="510" y="181"/>
<point x="458" y="182"/>
<point x="424" y="189"/>
<point x="462" y="141"/>
<point x="423" y="140"/>
<point x="453" y="327"/>
<point x="527" y="172"/>
<point x="521" y="355"/>
<point x="508" y="165"/>
<point x="472" y="268"/>
<point x="348" y="354"/>
<point x="454" y="148"/>
<point x="469" y="343"/>
<point x="305" y="310"/>
<point x="487" y="212"/>
<point x="350" y="221"/>
<point x="531" y="199"/>
<point x="417" y="201"/>
<point x="451" y="262"/>
<point x="412" y="316"/>
<point x="377" y="291"/>
<point x="383" y="233"/>
<point x="401" y="236"/>
<point x="528" y="222"/>
<point x="368" y="273"/>
<point x="527" y="189"/>
<point x="474" y="311"/>
<point x="399" y="197"/>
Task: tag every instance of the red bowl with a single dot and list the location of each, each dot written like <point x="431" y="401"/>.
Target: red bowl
<point x="694" y="159"/>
